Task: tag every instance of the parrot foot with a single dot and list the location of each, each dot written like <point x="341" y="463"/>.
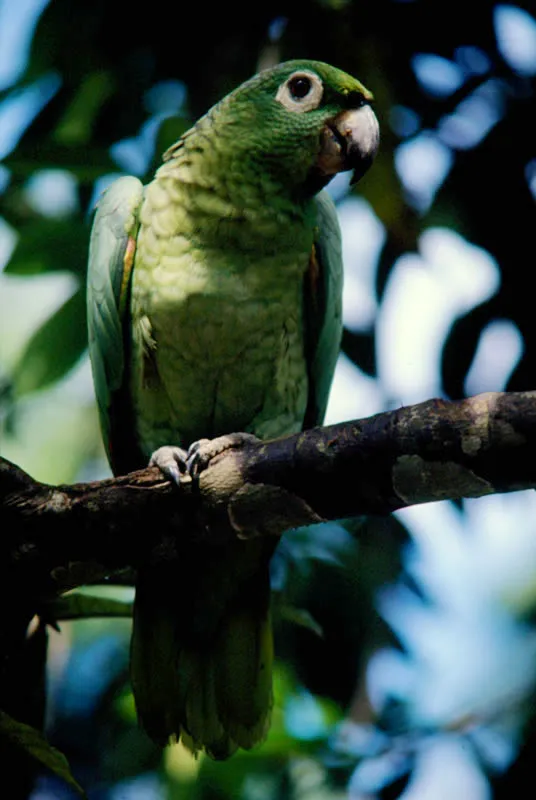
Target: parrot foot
<point x="171" y="461"/>
<point x="200" y="453"/>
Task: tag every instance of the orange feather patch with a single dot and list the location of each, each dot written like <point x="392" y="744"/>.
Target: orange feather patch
<point x="128" y="262"/>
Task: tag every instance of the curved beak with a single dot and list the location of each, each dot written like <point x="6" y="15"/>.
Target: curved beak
<point x="349" y="141"/>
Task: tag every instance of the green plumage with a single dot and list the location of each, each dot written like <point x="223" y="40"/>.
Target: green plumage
<point x="214" y="306"/>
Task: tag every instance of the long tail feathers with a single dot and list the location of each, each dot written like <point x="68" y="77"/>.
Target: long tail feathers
<point x="216" y="696"/>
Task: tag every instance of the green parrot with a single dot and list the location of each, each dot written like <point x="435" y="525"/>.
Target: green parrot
<point x="214" y="306"/>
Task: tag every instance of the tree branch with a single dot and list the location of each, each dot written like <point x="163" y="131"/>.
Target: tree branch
<point x="436" y="450"/>
<point x="59" y="537"/>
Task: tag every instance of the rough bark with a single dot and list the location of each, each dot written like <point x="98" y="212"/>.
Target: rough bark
<point x="57" y="537"/>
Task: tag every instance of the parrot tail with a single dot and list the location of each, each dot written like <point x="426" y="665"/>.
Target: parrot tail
<point x="212" y="691"/>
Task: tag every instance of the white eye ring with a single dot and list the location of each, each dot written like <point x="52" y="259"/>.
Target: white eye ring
<point x="290" y="94"/>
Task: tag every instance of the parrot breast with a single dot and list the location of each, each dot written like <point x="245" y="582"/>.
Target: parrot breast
<point x="217" y="333"/>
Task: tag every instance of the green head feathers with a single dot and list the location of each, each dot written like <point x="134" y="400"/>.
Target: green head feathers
<point x="296" y="125"/>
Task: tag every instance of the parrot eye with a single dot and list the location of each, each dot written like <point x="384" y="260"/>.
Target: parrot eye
<point x="300" y="87"/>
<point x="301" y="92"/>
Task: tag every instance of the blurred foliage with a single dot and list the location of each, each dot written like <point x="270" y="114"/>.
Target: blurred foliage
<point x="25" y="737"/>
<point x="96" y="67"/>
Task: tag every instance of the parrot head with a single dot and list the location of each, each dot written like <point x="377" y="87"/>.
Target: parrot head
<point x="300" y="122"/>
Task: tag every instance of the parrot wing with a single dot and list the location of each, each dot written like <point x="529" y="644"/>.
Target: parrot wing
<point x="323" y="309"/>
<point x="111" y="256"/>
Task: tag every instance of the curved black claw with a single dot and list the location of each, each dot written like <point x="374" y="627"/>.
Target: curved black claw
<point x="196" y="457"/>
<point x="171" y="461"/>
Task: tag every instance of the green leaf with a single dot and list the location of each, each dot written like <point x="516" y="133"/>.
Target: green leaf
<point x="83" y="606"/>
<point x="87" y="163"/>
<point x="36" y="746"/>
<point x="50" y="245"/>
<point x="301" y="617"/>
<point x="54" y="348"/>
<point x="76" y="126"/>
